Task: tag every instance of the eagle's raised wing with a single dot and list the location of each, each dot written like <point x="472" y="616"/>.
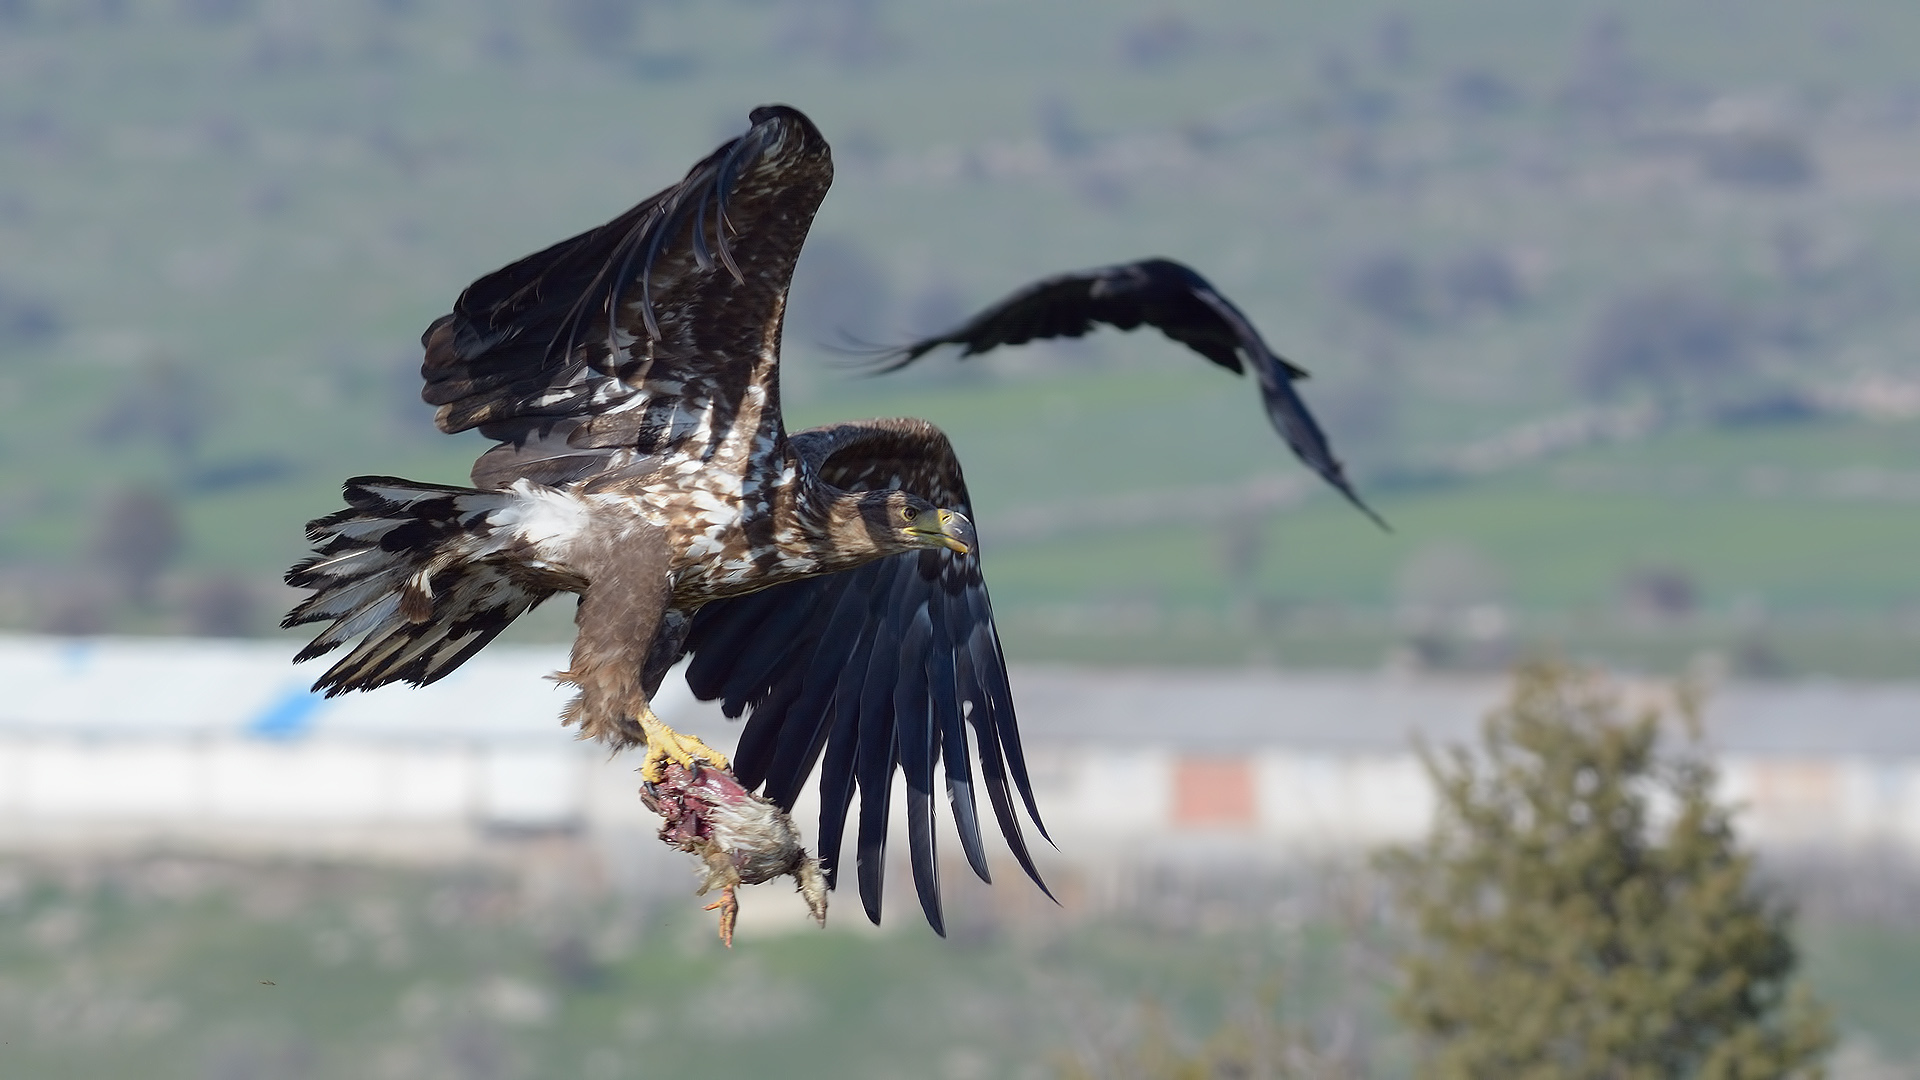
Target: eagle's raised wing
<point x="649" y="331"/>
<point x="880" y="669"/>
<point x="1181" y="304"/>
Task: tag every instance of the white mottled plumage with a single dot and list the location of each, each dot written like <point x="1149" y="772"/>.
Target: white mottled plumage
<point x="540" y="516"/>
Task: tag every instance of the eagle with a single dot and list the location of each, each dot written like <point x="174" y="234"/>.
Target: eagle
<point x="827" y="582"/>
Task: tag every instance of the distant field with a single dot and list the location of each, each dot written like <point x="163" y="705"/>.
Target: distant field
<point x="222" y="227"/>
<point x="177" y="968"/>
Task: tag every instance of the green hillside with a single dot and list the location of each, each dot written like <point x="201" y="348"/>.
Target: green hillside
<point x="171" y="967"/>
<point x="223" y="224"/>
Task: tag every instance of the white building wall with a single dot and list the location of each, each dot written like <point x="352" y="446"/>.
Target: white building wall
<point x="149" y="742"/>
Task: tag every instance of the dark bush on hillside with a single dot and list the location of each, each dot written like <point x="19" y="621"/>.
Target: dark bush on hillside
<point x="600" y="27"/>
<point x="1758" y="159"/>
<point x="168" y="405"/>
<point x="1482" y="92"/>
<point x="72" y="607"/>
<point x="26" y="319"/>
<point x="1393" y="41"/>
<point x="1060" y="128"/>
<point x="1482" y="279"/>
<point x="1157" y="41"/>
<point x="1669" y="339"/>
<point x="222" y="606"/>
<point x="847" y="33"/>
<point x="136" y="536"/>
<point x="1606" y="80"/>
<point x="1386" y="286"/>
<point x="1659" y="593"/>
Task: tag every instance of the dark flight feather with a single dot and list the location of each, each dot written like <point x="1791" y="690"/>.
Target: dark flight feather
<point x="1181" y="304"/>
<point x="603" y="336"/>
<point x="900" y="657"/>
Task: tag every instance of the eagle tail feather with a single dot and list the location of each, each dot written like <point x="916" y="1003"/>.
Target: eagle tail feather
<point x="405" y="571"/>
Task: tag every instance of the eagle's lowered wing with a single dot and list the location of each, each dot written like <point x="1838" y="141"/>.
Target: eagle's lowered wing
<point x="648" y="331"/>
<point x="879" y="668"/>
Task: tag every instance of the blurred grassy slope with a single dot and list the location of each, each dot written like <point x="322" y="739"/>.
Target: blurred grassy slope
<point x="275" y="201"/>
<point x="180" y="970"/>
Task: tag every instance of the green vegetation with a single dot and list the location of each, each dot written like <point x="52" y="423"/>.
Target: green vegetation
<point x="175" y="967"/>
<point x="1582" y="908"/>
<point x="223" y="224"/>
<point x="178" y="967"/>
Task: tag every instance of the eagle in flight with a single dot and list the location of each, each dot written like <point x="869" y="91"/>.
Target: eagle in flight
<point x="827" y="581"/>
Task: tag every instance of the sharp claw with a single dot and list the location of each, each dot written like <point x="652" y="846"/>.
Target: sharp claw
<point x="666" y="746"/>
<point x="729" y="907"/>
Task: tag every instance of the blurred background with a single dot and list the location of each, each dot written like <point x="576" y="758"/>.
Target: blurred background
<point x="1608" y="307"/>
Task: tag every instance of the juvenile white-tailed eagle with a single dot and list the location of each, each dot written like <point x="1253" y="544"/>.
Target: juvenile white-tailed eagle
<point x="827" y="580"/>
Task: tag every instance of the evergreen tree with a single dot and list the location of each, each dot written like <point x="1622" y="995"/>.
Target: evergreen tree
<point x="1584" y="911"/>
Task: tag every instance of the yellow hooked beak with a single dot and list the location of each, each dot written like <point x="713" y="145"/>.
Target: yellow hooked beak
<point x="954" y="532"/>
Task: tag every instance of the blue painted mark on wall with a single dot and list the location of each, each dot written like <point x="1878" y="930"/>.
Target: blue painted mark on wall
<point x="289" y="716"/>
<point x="76" y="655"/>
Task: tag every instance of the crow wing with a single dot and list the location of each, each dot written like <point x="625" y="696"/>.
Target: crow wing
<point x="648" y="333"/>
<point x="1176" y="300"/>
<point x="878" y="669"/>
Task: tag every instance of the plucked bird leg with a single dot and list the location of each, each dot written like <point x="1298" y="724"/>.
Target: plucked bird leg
<point x="729" y="907"/>
<point x="666" y="746"/>
<point x="741" y="838"/>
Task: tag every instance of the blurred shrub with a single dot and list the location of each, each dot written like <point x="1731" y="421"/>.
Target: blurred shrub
<point x="1481" y="91"/>
<point x="1388" y="287"/>
<point x="1667" y="338"/>
<point x="1157" y="40"/>
<point x="1252" y="1044"/>
<point x="167" y="404"/>
<point x="135" y="537"/>
<point x="598" y="27"/>
<point x="1758" y="159"/>
<point x="72" y="606"/>
<point x="1658" y="593"/>
<point x="850" y="34"/>
<point x="1444" y="581"/>
<point x="1481" y="279"/>
<point x="1605" y="80"/>
<point x="1393" y="41"/>
<point x="1583" y="909"/>
<point x="26" y="319"/>
<point x="222" y="605"/>
<point x="1767" y="409"/>
<point x="1060" y="127"/>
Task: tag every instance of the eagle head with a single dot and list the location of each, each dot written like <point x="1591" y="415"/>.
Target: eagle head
<point x="889" y="522"/>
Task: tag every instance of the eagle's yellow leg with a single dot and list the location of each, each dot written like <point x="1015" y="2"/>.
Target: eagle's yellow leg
<point x="665" y="745"/>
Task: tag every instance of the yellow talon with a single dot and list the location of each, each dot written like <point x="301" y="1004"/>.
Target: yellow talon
<point x="665" y="745"/>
